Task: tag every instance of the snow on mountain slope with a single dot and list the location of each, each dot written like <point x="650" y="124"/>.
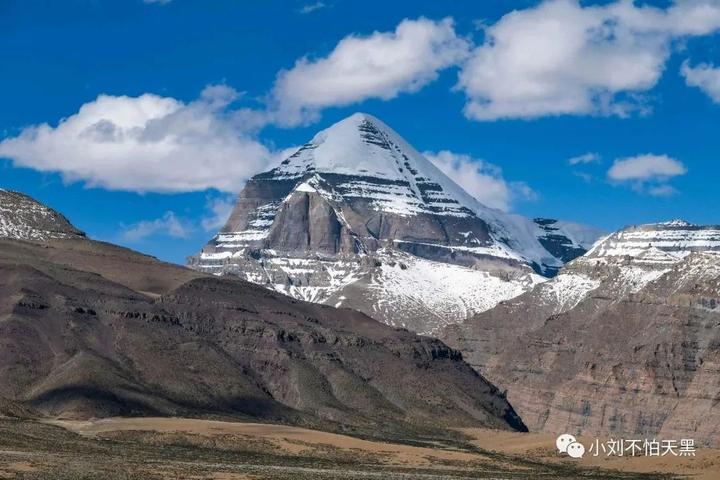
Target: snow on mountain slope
<point x="629" y="260"/>
<point x="363" y="146"/>
<point x="23" y="218"/>
<point x="658" y="243"/>
<point x="567" y="290"/>
<point x="392" y="286"/>
<point x="422" y="288"/>
<point x="377" y="165"/>
<point x="325" y="223"/>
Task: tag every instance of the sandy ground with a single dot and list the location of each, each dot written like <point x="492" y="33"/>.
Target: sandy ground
<point x="311" y="443"/>
<point x="705" y="465"/>
<point x="293" y="440"/>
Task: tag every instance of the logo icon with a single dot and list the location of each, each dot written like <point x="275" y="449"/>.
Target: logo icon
<point x="563" y="441"/>
<point x="567" y="443"/>
<point x="576" y="450"/>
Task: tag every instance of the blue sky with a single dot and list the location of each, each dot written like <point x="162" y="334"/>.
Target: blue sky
<point x="219" y="89"/>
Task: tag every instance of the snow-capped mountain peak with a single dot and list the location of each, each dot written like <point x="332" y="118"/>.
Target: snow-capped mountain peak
<point x="396" y="176"/>
<point x="325" y="224"/>
<point x="383" y="168"/>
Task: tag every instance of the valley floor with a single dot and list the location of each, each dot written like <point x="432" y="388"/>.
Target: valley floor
<point x="173" y="448"/>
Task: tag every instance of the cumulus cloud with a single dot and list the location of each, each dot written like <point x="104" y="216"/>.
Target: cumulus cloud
<point x="706" y="77"/>
<point x="219" y="209"/>
<point x="590" y="157"/>
<point x="646" y="167"/>
<point x="480" y="179"/>
<point x="563" y="58"/>
<point x="217" y="212"/>
<point x="169" y="224"/>
<point x="381" y="65"/>
<point x="147" y="143"/>
<point x="648" y="173"/>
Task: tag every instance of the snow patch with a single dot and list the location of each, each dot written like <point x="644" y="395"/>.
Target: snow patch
<point x="449" y="293"/>
<point x="567" y="290"/>
<point x="305" y="187"/>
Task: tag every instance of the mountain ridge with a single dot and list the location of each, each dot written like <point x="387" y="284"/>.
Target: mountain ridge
<point x="89" y="329"/>
<point x="23" y="218"/>
<point x="623" y="341"/>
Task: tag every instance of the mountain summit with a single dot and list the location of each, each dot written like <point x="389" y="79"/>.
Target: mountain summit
<point x="358" y="218"/>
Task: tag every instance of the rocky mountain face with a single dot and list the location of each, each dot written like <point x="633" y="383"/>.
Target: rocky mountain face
<point x="624" y="341"/>
<point x="358" y="218"/>
<point x="23" y="218"/>
<point x="88" y="329"/>
<point x="564" y="240"/>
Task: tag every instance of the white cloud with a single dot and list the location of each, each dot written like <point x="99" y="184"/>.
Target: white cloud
<point x="662" y="191"/>
<point x="647" y="173"/>
<point x="523" y="191"/>
<point x="480" y="179"/>
<point x="705" y="77"/>
<point x="381" y="65"/>
<point x="590" y="157"/>
<point x="169" y="224"/>
<point x="285" y="153"/>
<point x="311" y="7"/>
<point x="220" y="209"/>
<point x="586" y="177"/>
<point x="562" y="58"/>
<point x="147" y="143"/>
<point x="646" y="167"/>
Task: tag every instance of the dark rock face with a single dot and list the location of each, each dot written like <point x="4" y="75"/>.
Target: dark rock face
<point x="321" y="225"/>
<point x="306" y="222"/>
<point x="319" y="218"/>
<point x="557" y="243"/>
<point x="624" y="341"/>
<point x="23" y="218"/>
<point x="90" y="330"/>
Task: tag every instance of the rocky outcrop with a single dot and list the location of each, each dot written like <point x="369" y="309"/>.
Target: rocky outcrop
<point x="23" y="218"/>
<point x="564" y="240"/>
<point x="624" y="341"/>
